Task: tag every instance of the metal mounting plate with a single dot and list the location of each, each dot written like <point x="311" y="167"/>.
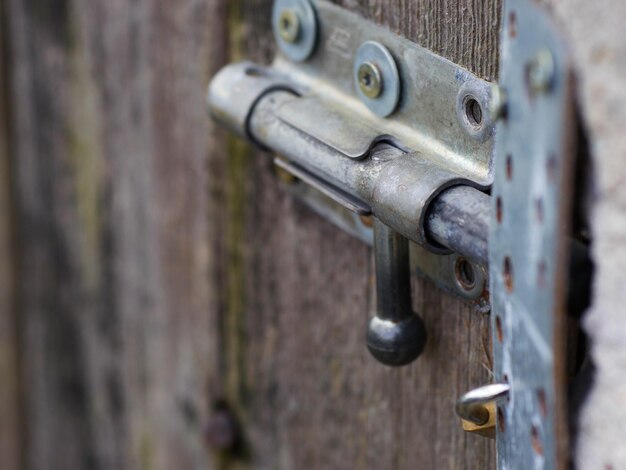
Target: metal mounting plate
<point x="426" y="119"/>
<point x="528" y="245"/>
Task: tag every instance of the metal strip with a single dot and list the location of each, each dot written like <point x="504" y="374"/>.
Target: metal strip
<point x="528" y="245"/>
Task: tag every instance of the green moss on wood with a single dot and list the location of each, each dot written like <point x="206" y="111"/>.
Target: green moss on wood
<point x="84" y="147"/>
<point x="238" y="152"/>
<point x="234" y="323"/>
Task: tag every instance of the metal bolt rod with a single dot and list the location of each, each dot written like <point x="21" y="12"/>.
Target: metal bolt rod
<point x="393" y="286"/>
<point x="458" y="218"/>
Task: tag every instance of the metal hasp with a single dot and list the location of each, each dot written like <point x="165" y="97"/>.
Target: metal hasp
<point x="384" y="129"/>
<point x="528" y="244"/>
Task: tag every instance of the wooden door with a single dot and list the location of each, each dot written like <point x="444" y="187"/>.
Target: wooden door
<point x="153" y="273"/>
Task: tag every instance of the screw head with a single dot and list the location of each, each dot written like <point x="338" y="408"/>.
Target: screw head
<point x="541" y="71"/>
<point x="289" y="25"/>
<point x="370" y="80"/>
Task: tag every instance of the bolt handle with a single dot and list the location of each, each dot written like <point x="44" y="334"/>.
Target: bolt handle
<point x="396" y="336"/>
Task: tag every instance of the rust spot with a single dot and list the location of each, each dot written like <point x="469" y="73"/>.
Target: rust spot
<point x="543" y="403"/>
<point x="367" y="220"/>
<point x="506" y="380"/>
<point x="499" y="328"/>
<point x="552" y="168"/>
<point x="501" y="421"/>
<point x="499" y="209"/>
<point x="539" y="209"/>
<point x="509" y="167"/>
<point x="508" y="274"/>
<point x="536" y="440"/>
<point x="512" y="24"/>
<point x="541" y="274"/>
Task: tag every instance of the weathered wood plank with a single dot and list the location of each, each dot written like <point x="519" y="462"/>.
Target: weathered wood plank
<point x="10" y="422"/>
<point x="136" y="264"/>
<point x="110" y="144"/>
<point x="304" y="386"/>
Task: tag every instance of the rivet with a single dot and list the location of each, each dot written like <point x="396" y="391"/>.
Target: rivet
<point x="541" y="71"/>
<point x="370" y="80"/>
<point x="289" y="25"/>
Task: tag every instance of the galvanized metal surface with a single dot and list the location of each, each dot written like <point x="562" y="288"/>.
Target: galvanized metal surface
<point x="397" y="186"/>
<point x="426" y="116"/>
<point x="318" y="121"/>
<point x="235" y="89"/>
<point x="528" y="245"/>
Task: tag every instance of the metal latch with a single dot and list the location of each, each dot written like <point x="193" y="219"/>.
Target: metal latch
<point x="384" y="128"/>
<point x="447" y="175"/>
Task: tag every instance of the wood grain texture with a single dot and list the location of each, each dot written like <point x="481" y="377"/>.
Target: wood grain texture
<point x="465" y="32"/>
<point x="110" y="148"/>
<point x="162" y="269"/>
<point x="10" y="405"/>
<point x="305" y="388"/>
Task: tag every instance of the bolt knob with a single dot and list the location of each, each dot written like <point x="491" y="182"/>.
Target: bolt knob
<point x="396" y="335"/>
<point x="396" y="343"/>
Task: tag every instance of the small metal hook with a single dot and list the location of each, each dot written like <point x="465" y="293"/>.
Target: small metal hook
<point x="471" y="406"/>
